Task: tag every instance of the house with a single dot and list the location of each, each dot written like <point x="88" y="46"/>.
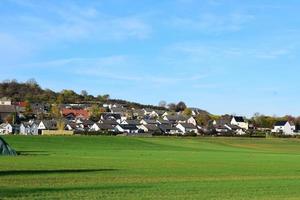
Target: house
<point x="71" y="114"/>
<point x="70" y="126"/>
<point x="165" y="122"/>
<point x="284" y="127"/>
<point x="169" y="129"/>
<point x="25" y="128"/>
<point x="239" y="121"/>
<point x="175" y="119"/>
<point x="6" y="128"/>
<point x="148" y="121"/>
<point x="5" y="101"/>
<point x="131" y="122"/>
<point x="187" y="128"/>
<point x="235" y="129"/>
<point x="127" y="128"/>
<point x="108" y="121"/>
<point x="138" y="113"/>
<point x="221" y="129"/>
<point x="46" y="125"/>
<point x="147" y="111"/>
<point x="38" y="108"/>
<point x="118" y="110"/>
<point x="191" y="120"/>
<point x="152" y="128"/>
<point x="102" y="127"/>
<point x="6" y="111"/>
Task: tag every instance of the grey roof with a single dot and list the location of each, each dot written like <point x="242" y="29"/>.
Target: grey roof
<point x="50" y="124"/>
<point x="133" y="122"/>
<point x="161" y="121"/>
<point x="129" y="126"/>
<point x="152" y="127"/>
<point x="118" y="110"/>
<point x="188" y="125"/>
<point x="7" y="109"/>
<point x="111" y="115"/>
<point x="176" y="118"/>
<point x="280" y="123"/>
<point x="239" y="119"/>
<point x="150" y="121"/>
<point x="166" y="128"/>
<point x="109" y="121"/>
<point x="105" y="126"/>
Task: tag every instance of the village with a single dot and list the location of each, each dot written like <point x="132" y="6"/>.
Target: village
<point x="117" y="119"/>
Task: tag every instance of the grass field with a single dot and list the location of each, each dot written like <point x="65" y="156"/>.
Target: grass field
<point x="82" y="167"/>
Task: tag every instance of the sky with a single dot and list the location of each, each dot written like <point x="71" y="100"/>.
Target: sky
<point x="224" y="56"/>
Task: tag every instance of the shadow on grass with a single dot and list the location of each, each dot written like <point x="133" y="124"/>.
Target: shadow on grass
<point x="32" y="153"/>
<point x="56" y="171"/>
<point x="21" y="192"/>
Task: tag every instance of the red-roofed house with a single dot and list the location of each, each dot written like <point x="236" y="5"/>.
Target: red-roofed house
<point x="75" y="113"/>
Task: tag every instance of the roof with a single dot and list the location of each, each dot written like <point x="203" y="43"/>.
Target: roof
<point x="129" y="126"/>
<point x="50" y="124"/>
<point x="161" y="121"/>
<point x="152" y="127"/>
<point x="118" y="110"/>
<point x="111" y="115"/>
<point x="280" y="123"/>
<point x="150" y="121"/>
<point x="239" y="119"/>
<point x="188" y="125"/>
<point x="7" y="109"/>
<point x="105" y="126"/>
<point x="109" y="121"/>
<point x="132" y="122"/>
<point x="75" y="112"/>
<point x="165" y="127"/>
<point x="160" y="112"/>
<point x="176" y="118"/>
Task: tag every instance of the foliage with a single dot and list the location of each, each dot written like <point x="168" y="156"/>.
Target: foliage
<point x="187" y="112"/>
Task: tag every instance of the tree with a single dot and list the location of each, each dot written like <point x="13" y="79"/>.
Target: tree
<point x="203" y="119"/>
<point x="84" y="93"/>
<point x="187" y="112"/>
<point x="55" y="112"/>
<point x="95" y="112"/>
<point x="172" y="106"/>
<point x="32" y="82"/>
<point x="162" y="104"/>
<point x="180" y="106"/>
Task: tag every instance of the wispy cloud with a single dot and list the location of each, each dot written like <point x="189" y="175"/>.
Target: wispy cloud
<point x="72" y="22"/>
<point x="213" y="23"/>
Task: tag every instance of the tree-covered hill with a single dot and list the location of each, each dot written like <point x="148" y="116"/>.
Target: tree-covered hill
<point x="32" y="92"/>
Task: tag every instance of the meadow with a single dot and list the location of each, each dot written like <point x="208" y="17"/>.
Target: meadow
<point x="94" y="167"/>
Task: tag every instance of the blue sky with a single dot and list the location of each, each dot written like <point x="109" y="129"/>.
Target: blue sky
<point x="225" y="56"/>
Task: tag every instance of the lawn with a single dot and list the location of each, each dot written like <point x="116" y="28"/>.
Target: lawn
<point x="83" y="167"/>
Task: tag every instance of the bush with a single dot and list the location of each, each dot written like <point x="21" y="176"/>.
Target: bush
<point x="107" y="133"/>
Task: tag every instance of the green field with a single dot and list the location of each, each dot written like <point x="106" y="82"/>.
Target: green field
<point x="83" y="167"/>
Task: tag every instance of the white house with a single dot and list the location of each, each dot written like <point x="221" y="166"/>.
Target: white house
<point x="191" y="120"/>
<point x="239" y="121"/>
<point x="5" y="101"/>
<point x="25" y="129"/>
<point x="149" y="128"/>
<point x="6" y="128"/>
<point x="284" y="127"/>
<point x="187" y="128"/>
<point x="126" y="128"/>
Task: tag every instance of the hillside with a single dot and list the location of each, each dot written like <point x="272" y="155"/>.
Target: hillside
<point x="31" y="91"/>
